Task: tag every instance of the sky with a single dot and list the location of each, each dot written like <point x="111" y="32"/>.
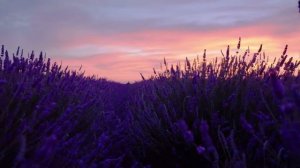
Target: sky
<point x="118" y="39"/>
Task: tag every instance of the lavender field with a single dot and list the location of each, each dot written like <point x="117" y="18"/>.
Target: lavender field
<point x="240" y="110"/>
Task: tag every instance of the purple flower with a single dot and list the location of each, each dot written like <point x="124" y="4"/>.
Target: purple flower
<point x="200" y="150"/>
<point x="184" y="131"/>
<point x="246" y="125"/>
<point x="277" y="85"/>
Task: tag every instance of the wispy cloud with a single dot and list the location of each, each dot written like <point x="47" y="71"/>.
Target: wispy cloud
<point x="119" y="38"/>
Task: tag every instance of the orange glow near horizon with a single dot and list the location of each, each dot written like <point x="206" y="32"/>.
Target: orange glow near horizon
<point x="127" y="55"/>
<point x="119" y="39"/>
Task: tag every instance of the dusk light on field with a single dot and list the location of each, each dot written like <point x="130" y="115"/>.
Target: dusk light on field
<point x="150" y="84"/>
<point x="118" y="39"/>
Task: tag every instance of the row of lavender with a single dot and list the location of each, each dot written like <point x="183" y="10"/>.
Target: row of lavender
<point x="241" y="111"/>
<point x="54" y="117"/>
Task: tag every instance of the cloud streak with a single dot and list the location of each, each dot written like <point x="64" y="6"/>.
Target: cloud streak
<point x="118" y="39"/>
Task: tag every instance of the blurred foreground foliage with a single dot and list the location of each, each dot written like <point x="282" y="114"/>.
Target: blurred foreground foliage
<point x="239" y="111"/>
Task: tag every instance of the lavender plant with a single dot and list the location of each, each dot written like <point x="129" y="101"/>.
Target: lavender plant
<point x="54" y="117"/>
<point x="241" y="111"/>
<point x="238" y="111"/>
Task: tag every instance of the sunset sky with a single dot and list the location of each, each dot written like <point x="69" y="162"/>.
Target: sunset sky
<point x="118" y="39"/>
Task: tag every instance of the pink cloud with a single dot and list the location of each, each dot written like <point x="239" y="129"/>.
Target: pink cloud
<point x="175" y="45"/>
